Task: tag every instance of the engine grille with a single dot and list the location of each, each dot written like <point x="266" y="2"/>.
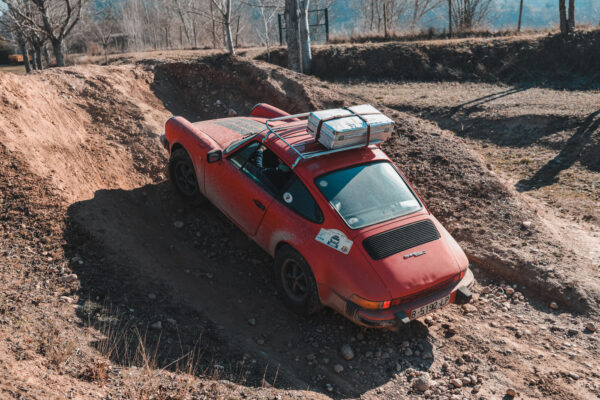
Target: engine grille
<point x="406" y="237"/>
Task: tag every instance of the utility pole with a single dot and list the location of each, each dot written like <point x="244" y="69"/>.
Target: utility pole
<point x="520" y="16"/>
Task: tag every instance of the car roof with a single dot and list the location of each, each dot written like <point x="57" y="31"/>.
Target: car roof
<point x="225" y="131"/>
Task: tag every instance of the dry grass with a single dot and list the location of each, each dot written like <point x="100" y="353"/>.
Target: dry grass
<point x="56" y="344"/>
<point x="427" y="34"/>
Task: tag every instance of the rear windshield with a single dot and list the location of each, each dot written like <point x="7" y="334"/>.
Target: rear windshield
<point x="368" y="194"/>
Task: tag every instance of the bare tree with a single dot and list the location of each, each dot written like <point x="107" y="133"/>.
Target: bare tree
<point x="58" y="18"/>
<point x="305" y="51"/>
<point x="468" y="14"/>
<point x="268" y="10"/>
<point x="383" y="16"/>
<point x="224" y="8"/>
<point x="292" y="34"/>
<point x="104" y="25"/>
<point x="16" y="22"/>
<point x="562" y="12"/>
<point x="567" y="22"/>
<point x="520" y="15"/>
<point x="450" y="18"/>
<point x="571" y="22"/>
<point x="420" y="9"/>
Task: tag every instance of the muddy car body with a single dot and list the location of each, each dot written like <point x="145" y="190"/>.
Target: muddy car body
<point x="346" y="229"/>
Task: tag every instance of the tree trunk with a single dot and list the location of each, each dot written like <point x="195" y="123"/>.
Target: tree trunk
<point x="214" y="26"/>
<point x="24" y="52"/>
<point x="571" y="23"/>
<point x="520" y="16"/>
<point x="46" y="55"/>
<point x="564" y="28"/>
<point x="305" y="37"/>
<point x="227" y="23"/>
<point x="195" y="34"/>
<point x="291" y="34"/>
<point x="450" y="18"/>
<point x="372" y="15"/>
<point x="37" y="58"/>
<point x="413" y="23"/>
<point x="58" y="52"/>
<point x="237" y="31"/>
<point x="385" y="27"/>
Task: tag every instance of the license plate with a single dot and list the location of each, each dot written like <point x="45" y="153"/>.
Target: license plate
<point x="426" y="309"/>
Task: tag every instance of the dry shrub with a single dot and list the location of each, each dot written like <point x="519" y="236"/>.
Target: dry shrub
<point x="96" y="371"/>
<point x="56" y="345"/>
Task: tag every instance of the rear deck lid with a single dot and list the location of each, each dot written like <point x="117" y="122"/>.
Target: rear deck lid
<point x="410" y="257"/>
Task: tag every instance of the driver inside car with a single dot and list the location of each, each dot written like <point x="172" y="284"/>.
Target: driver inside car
<point x="275" y="171"/>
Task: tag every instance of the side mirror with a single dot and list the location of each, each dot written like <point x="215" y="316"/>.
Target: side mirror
<point x="214" y="156"/>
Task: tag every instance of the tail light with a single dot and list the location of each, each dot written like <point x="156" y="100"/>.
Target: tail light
<point x="368" y="304"/>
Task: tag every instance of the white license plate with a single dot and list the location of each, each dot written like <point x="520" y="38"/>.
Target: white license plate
<point x="427" y="308"/>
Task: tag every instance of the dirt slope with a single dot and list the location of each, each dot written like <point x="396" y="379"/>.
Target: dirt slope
<point x="83" y="193"/>
<point x="550" y="60"/>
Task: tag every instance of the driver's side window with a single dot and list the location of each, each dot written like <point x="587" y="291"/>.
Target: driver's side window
<point x="265" y="168"/>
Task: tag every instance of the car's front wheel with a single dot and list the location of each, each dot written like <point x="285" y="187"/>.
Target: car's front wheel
<point x="182" y="175"/>
<point x="295" y="281"/>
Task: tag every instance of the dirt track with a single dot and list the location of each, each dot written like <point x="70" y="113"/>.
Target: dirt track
<point x="89" y="135"/>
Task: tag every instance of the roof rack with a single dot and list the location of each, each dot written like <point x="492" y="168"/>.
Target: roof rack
<point x="318" y="153"/>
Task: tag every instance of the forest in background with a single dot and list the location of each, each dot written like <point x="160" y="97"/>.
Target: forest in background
<point x="48" y="30"/>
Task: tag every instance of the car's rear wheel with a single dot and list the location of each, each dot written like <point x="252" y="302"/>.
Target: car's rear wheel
<point x="182" y="174"/>
<point x="295" y="281"/>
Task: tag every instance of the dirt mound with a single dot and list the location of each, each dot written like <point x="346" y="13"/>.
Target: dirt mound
<point x="83" y="127"/>
<point x="552" y="60"/>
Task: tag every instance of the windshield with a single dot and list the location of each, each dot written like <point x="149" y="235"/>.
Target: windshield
<point x="367" y="194"/>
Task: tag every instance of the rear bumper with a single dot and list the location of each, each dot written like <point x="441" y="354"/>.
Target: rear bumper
<point x="401" y="314"/>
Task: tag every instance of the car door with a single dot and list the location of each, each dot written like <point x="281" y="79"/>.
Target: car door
<point x="233" y="190"/>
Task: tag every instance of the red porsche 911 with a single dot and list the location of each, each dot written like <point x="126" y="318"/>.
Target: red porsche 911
<point x="345" y="227"/>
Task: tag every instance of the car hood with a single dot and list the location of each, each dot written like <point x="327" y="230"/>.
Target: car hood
<point x="417" y="268"/>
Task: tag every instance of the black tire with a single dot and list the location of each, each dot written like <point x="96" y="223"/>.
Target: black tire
<point x="295" y="281"/>
<point x="183" y="175"/>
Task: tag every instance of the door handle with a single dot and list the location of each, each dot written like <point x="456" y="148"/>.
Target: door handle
<point x="259" y="204"/>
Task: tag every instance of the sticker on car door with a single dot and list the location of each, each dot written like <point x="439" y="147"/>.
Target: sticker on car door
<point x="335" y="239"/>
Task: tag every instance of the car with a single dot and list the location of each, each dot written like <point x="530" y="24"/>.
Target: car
<point x="345" y="227"/>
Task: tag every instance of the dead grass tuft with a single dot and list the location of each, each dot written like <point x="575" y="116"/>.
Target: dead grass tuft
<point x="56" y="345"/>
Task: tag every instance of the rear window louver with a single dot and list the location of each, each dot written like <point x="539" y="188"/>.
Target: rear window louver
<point x="400" y="239"/>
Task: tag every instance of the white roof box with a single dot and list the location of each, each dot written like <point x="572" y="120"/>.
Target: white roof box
<point x="343" y="127"/>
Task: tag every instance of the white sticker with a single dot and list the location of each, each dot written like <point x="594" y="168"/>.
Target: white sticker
<point x="335" y="239"/>
<point x="323" y="183"/>
<point x="287" y="197"/>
